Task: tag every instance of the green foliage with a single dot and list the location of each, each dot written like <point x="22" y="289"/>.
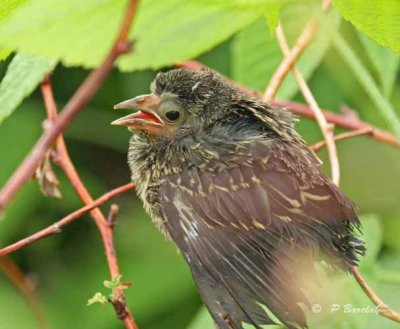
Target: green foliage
<point x="6" y="8"/>
<point x="272" y="17"/>
<point x="171" y="31"/>
<point x="4" y="54"/>
<point x="366" y="81"/>
<point x="98" y="297"/>
<point x="76" y="32"/>
<point x="270" y="8"/>
<point x="246" y="4"/>
<point x="23" y="75"/>
<point x="162" y="30"/>
<point x="256" y="54"/>
<point x="385" y="62"/>
<point x="377" y="19"/>
<point x="114" y="284"/>
<point x="163" y="294"/>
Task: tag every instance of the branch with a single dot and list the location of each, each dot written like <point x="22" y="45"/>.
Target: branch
<point x="106" y="231"/>
<point x="81" y="97"/>
<point x="383" y="309"/>
<point x="327" y="129"/>
<point x="349" y="134"/>
<point x="342" y="120"/>
<point x="120" y="307"/>
<point x="292" y="56"/>
<point x="56" y="227"/>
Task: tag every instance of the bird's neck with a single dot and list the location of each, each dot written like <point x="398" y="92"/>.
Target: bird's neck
<point x="152" y="159"/>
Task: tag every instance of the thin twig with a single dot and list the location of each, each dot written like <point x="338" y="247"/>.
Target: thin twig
<point x="293" y="55"/>
<point x="106" y="231"/>
<point x="340" y="120"/>
<point x="25" y="286"/>
<point x="326" y="129"/>
<point x="56" y="227"/>
<point x="81" y="97"/>
<point x="348" y="134"/>
<point x="383" y="309"/>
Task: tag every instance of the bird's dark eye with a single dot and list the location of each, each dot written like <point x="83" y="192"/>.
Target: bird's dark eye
<point x="171" y="111"/>
<point x="173" y="115"/>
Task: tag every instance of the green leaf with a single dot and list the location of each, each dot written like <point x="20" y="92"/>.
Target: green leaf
<point x="165" y="31"/>
<point x="253" y="4"/>
<point x="4" y="54"/>
<point x="377" y="19"/>
<point x="365" y="79"/>
<point x="6" y="8"/>
<point x="173" y="30"/>
<point x="270" y="8"/>
<point x="23" y="74"/>
<point x="115" y="284"/>
<point x="272" y="16"/>
<point x="97" y="298"/>
<point x="256" y="54"/>
<point x="384" y="61"/>
<point x="49" y="28"/>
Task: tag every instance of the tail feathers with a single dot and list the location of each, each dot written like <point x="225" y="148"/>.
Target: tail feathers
<point x="350" y="247"/>
<point x="228" y="303"/>
<point x="252" y="293"/>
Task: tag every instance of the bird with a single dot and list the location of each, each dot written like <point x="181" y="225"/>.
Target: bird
<point x="226" y="177"/>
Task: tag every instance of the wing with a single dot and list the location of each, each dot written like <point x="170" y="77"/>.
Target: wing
<point x="247" y="222"/>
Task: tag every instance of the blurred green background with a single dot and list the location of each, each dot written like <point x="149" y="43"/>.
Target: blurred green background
<point x="70" y="267"/>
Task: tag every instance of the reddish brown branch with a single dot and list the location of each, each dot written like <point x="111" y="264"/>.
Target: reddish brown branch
<point x="120" y="307"/>
<point x="106" y="230"/>
<point x="81" y="97"/>
<point x="348" y="134"/>
<point x="382" y="308"/>
<point x="56" y="227"/>
<point x="340" y="120"/>
<point x="27" y="289"/>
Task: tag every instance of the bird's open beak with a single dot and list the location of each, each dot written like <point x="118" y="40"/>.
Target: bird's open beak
<point x="146" y="118"/>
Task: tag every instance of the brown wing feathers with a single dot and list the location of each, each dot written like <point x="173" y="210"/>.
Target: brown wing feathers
<point x="242" y="227"/>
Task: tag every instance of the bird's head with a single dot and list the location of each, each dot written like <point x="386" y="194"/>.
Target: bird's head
<point x="180" y="102"/>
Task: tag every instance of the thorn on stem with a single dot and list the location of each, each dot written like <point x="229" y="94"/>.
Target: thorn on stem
<point x="112" y="215"/>
<point x="124" y="47"/>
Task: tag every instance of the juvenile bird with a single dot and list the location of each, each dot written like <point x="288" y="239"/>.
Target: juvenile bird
<point x="229" y="180"/>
